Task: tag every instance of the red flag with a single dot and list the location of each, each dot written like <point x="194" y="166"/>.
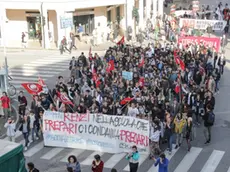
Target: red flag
<point x="142" y="62"/>
<point x="179" y="62"/>
<point x="32" y="88"/>
<point x="122" y="41"/>
<point x="97" y="82"/>
<point x="110" y="66"/>
<point x="41" y="81"/>
<point x="141" y="81"/>
<point x="177" y="88"/>
<point x="64" y="99"/>
<point x="126" y="100"/>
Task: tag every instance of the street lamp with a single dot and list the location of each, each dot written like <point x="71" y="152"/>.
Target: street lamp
<point x="126" y="18"/>
<point x="3" y="35"/>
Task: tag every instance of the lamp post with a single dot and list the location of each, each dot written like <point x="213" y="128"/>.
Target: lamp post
<point x="126" y="18"/>
<point x="3" y="35"/>
<point x="42" y="26"/>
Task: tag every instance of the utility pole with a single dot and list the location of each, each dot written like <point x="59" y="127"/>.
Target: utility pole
<point x="126" y="19"/>
<point x="3" y="35"/>
<point x="42" y="26"/>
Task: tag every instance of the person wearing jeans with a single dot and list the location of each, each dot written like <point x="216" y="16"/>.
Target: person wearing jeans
<point x="169" y="133"/>
<point x="179" y="124"/>
<point x="10" y="129"/>
<point x="207" y="124"/>
<point x="33" y="126"/>
<point x="25" y="129"/>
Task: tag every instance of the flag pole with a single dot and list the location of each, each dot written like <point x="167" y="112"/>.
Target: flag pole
<point x="70" y="107"/>
<point x="126" y="104"/>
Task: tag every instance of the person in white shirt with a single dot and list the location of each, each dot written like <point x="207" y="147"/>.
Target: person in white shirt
<point x="10" y="129"/>
<point x="132" y="111"/>
<point x="33" y="127"/>
<point x="155" y="133"/>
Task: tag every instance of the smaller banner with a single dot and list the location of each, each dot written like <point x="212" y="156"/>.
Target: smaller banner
<point x="217" y="25"/>
<point x="66" y="22"/>
<point x="206" y="41"/>
<point x="127" y="75"/>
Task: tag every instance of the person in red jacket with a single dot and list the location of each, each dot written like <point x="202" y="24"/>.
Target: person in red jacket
<point x="98" y="164"/>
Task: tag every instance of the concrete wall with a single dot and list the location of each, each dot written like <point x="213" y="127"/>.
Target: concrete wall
<point x="16" y="24"/>
<point x="52" y="17"/>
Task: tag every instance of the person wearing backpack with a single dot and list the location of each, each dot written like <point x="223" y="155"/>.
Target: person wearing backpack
<point x="209" y="119"/>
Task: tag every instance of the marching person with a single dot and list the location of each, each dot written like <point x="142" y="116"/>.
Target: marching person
<point x="22" y="103"/>
<point x="24" y="127"/>
<point x="73" y="163"/>
<point x="10" y="129"/>
<point x="162" y="162"/>
<point x="133" y="158"/>
<point x="179" y="123"/>
<point x="31" y="167"/>
<point x="33" y="126"/>
<point x="209" y="119"/>
<point x="6" y="106"/>
<point x="189" y="129"/>
<point x="98" y="164"/>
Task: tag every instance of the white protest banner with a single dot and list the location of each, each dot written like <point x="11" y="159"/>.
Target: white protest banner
<point x="217" y="25"/>
<point x="112" y="134"/>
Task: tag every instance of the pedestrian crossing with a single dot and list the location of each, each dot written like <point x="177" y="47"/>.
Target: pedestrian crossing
<point x="187" y="161"/>
<point x="46" y="68"/>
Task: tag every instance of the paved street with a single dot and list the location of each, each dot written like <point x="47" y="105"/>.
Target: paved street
<point x="27" y="66"/>
<point x="212" y="158"/>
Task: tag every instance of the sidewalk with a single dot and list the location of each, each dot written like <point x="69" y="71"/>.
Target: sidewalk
<point x="83" y="47"/>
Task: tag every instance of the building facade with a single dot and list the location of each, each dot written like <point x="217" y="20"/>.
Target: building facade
<point x="46" y="23"/>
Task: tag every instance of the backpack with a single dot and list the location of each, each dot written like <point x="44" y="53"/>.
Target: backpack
<point x="211" y="118"/>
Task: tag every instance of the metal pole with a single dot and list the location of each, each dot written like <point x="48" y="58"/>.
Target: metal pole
<point x="42" y="25"/>
<point x="126" y="19"/>
<point x="3" y="29"/>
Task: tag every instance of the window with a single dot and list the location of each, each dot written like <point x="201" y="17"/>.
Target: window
<point x="118" y="15"/>
<point x="109" y="16"/>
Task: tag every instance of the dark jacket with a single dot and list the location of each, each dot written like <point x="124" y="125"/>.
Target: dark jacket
<point x="21" y="124"/>
<point x="205" y="118"/>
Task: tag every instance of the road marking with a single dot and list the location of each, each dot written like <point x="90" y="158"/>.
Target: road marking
<point x="213" y="161"/>
<point x="50" y="66"/>
<point x="155" y="169"/>
<point x="45" y="68"/>
<point x="26" y="74"/>
<point x="188" y="160"/>
<point x="31" y="151"/>
<point x="89" y="160"/>
<point x="55" y="59"/>
<point x="61" y="63"/>
<point x="31" y="71"/>
<point x="52" y="153"/>
<point x="142" y="158"/>
<point x="35" y="78"/>
<point x="17" y="134"/>
<point x="228" y="169"/>
<point x="113" y="160"/>
<point x="76" y="153"/>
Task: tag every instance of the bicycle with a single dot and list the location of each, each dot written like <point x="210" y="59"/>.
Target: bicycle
<point x="11" y="89"/>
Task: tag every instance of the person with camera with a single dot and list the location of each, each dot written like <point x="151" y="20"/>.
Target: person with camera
<point x="162" y="162"/>
<point x="133" y="158"/>
<point x="10" y="129"/>
<point x="97" y="164"/>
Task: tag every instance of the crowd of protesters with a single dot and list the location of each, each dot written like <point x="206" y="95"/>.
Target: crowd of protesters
<point x="172" y="86"/>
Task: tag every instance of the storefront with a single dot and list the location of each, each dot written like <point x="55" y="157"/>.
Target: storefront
<point x="26" y="17"/>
